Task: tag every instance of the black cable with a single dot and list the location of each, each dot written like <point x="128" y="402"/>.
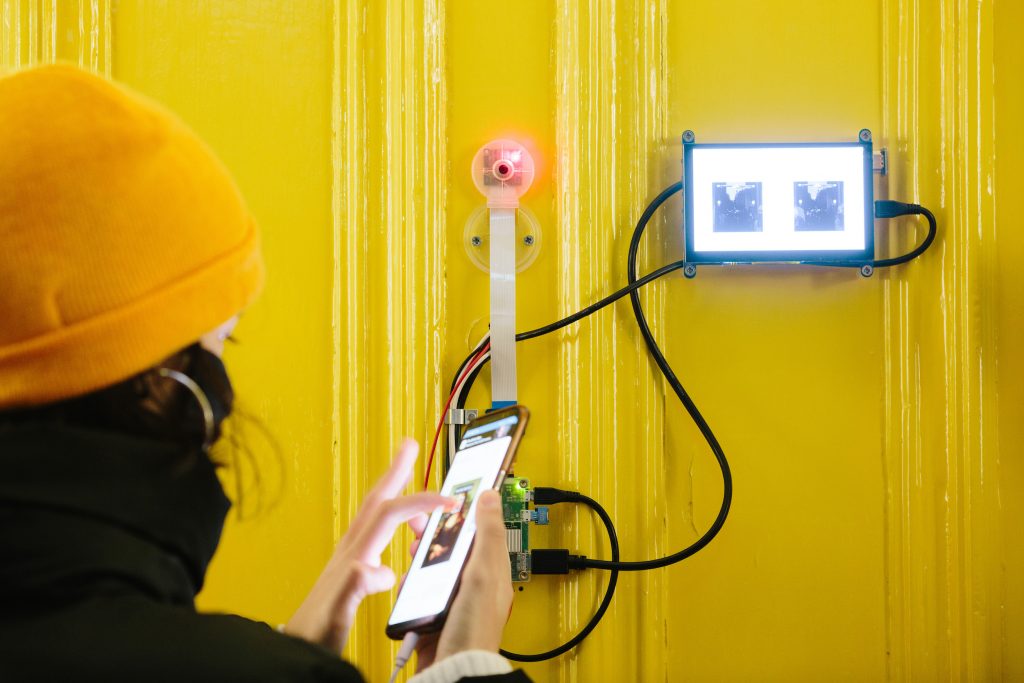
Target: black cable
<point x="677" y="387"/>
<point x="887" y="208"/>
<point x="465" y="362"/>
<point x="891" y="209"/>
<point x="631" y="289"/>
<point x="883" y="209"/>
<point x="609" y="591"/>
<point x="557" y="325"/>
<point x="564" y="322"/>
<point x="462" y="401"/>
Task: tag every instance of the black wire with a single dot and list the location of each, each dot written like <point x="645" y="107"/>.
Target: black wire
<point x="557" y="325"/>
<point x="465" y="362"/>
<point x="461" y="403"/>
<point x="677" y="387"/>
<point x="635" y="299"/>
<point x="921" y="248"/>
<point x="630" y="289"/>
<point x="564" y="322"/>
<point x="652" y="345"/>
<point x="915" y="209"/>
<point x="609" y="592"/>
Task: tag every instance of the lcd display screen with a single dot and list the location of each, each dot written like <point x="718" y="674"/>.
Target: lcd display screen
<point x="778" y="202"/>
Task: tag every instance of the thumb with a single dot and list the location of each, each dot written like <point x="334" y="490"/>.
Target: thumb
<point x="367" y="579"/>
<point x="361" y="581"/>
<point x="490" y="525"/>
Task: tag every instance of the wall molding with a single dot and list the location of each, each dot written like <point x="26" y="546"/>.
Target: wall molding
<point x="941" y="452"/>
<point x="44" y="31"/>
<point x="390" y="175"/>
<point x="610" y="93"/>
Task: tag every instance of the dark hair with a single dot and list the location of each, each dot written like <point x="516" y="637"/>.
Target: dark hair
<point x="147" y="404"/>
<point x="152" y="406"/>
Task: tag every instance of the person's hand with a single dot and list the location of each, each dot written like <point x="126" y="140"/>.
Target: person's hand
<point x="354" y="570"/>
<point x="481" y="608"/>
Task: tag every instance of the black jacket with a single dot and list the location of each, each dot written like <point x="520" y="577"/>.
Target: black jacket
<point x="104" y="543"/>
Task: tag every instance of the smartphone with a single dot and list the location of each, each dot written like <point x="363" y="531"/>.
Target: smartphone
<point x="482" y="460"/>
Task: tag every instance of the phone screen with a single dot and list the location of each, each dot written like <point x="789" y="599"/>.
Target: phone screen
<point x="449" y="534"/>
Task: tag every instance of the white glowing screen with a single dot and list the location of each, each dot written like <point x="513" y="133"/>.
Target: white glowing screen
<point x="751" y="199"/>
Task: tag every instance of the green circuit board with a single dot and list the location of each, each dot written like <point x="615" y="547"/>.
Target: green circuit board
<point x="515" y="502"/>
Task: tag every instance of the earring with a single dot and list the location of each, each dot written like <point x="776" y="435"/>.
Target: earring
<point x="200" y="395"/>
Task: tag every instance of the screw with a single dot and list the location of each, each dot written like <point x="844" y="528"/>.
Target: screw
<point x="866" y="270"/>
<point x="523" y="576"/>
<point x="690" y="270"/>
<point x="523" y="483"/>
<point x="865" y="135"/>
<point x="528" y="240"/>
<point x="476" y="241"/>
<point x="688" y="136"/>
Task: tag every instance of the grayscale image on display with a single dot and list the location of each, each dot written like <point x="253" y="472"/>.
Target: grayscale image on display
<point x="737" y="207"/>
<point x="818" y="206"/>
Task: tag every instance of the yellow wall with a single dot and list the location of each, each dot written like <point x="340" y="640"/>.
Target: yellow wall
<point x="874" y="426"/>
<point x="1007" y="322"/>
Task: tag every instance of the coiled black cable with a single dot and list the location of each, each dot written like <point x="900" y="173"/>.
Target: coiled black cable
<point x="677" y="387"/>
<point x="883" y="209"/>
<point x="609" y="590"/>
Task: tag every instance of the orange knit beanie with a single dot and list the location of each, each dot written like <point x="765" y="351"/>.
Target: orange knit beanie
<point x="122" y="238"/>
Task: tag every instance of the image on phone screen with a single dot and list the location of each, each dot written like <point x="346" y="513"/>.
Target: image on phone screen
<point x="450" y="524"/>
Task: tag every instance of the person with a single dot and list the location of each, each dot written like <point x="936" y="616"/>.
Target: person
<point x="126" y="255"/>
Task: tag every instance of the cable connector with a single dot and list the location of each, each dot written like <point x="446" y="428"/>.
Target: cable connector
<point x="554" y="561"/>
<point x="889" y="208"/>
<point x="545" y="495"/>
<point x="404" y="653"/>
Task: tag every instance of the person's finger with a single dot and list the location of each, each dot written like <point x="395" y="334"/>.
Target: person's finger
<point x="388" y="486"/>
<point x="361" y="580"/>
<point x="374" y="579"/>
<point x="397" y="476"/>
<point x="418" y="524"/>
<point x="480" y="609"/>
<point x="379" y="530"/>
<point x="488" y="564"/>
<point x="490" y="523"/>
<point x="426" y="649"/>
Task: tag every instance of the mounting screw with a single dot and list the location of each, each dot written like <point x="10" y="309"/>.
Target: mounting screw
<point x="523" y="576"/>
<point x="690" y="270"/>
<point x="528" y="240"/>
<point x="476" y="241"/>
<point x="523" y="483"/>
<point x="866" y="270"/>
<point x="688" y="136"/>
<point x="865" y="135"/>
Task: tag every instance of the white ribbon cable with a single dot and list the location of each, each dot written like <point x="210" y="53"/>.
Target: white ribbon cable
<point x="503" y="307"/>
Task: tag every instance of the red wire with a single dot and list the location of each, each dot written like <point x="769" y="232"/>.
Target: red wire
<point x="444" y="411"/>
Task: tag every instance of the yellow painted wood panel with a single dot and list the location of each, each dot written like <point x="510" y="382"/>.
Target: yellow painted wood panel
<point x="1008" y="295"/>
<point x="874" y="426"/>
<point x="785" y="364"/>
